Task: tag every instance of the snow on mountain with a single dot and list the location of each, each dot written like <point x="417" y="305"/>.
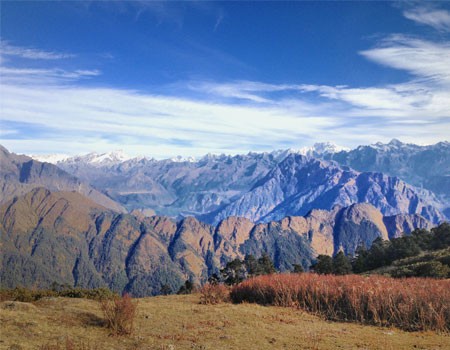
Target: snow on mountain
<point x="321" y="148"/>
<point x="181" y="159"/>
<point x="49" y="158"/>
<point x="100" y="159"/>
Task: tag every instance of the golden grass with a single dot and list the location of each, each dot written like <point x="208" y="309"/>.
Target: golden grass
<point x="180" y="322"/>
<point x="409" y="303"/>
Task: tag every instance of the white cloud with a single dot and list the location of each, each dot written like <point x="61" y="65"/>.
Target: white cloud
<point x="61" y="115"/>
<point x="422" y="58"/>
<point x="31" y="53"/>
<point x="438" y="19"/>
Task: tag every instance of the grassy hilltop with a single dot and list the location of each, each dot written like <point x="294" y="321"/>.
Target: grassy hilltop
<point x="180" y="322"/>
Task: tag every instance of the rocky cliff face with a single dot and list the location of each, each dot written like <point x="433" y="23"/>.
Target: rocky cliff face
<point x="299" y="184"/>
<point x="19" y="174"/>
<point x="175" y="187"/>
<point x="65" y="237"/>
<point x="181" y="187"/>
<point x="421" y="166"/>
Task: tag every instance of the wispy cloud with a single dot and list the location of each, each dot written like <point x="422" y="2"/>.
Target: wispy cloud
<point x="438" y="19"/>
<point x="228" y="117"/>
<point x="422" y="58"/>
<point x="31" y="53"/>
<point x="158" y="122"/>
<point x="219" y="20"/>
<point x="33" y="76"/>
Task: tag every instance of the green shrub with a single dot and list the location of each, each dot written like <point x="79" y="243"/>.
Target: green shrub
<point x="31" y="295"/>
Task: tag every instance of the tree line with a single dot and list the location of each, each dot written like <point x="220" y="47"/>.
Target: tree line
<point x="384" y="252"/>
<point x="380" y="254"/>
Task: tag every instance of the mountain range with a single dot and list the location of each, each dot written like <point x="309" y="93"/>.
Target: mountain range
<point x="67" y="238"/>
<point x="214" y="186"/>
<point x="135" y="224"/>
<point x="19" y="174"/>
<point x="425" y="167"/>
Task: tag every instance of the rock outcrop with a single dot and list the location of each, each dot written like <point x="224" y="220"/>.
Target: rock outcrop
<point x="299" y="184"/>
<point x="421" y="166"/>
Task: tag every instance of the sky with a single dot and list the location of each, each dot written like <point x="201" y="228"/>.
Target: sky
<point x="162" y="79"/>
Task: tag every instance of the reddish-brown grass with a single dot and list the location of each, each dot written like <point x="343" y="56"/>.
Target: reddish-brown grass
<point x="211" y="294"/>
<point x="410" y="303"/>
<point x="119" y="313"/>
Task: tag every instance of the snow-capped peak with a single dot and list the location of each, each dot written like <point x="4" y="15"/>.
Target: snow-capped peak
<point x="100" y="159"/>
<point x="321" y="148"/>
<point x="49" y="158"/>
<point x="181" y="159"/>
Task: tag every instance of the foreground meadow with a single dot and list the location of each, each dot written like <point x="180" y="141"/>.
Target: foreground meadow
<point x="180" y="322"/>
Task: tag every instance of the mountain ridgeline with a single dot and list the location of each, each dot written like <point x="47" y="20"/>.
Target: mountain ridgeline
<point x="66" y="238"/>
<point x="298" y="184"/>
<point x="269" y="186"/>
<point x="140" y="224"/>
<point x="421" y="166"/>
<point x="19" y="174"/>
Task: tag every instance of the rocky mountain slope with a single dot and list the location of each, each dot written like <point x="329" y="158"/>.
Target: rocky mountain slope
<point x="421" y="166"/>
<point x="299" y="184"/>
<point x="65" y="237"/>
<point x="257" y="187"/>
<point x="19" y="174"/>
<point x="173" y="188"/>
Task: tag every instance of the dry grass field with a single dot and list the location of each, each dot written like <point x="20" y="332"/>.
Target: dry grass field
<point x="412" y="304"/>
<point x="180" y="322"/>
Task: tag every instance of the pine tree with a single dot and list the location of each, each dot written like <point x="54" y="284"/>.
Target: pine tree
<point x="341" y="264"/>
<point x="323" y="265"/>
<point x="252" y="266"/>
<point x="266" y="264"/>
<point x="297" y="268"/>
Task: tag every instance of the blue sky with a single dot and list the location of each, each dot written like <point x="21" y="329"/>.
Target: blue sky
<point x="188" y="78"/>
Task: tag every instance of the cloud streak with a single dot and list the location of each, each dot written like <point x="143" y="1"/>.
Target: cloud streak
<point x="229" y="117"/>
<point x="7" y="49"/>
<point x="438" y="19"/>
<point x="421" y="58"/>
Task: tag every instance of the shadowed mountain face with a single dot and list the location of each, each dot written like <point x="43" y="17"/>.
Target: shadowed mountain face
<point x="421" y="166"/>
<point x="19" y="174"/>
<point x="65" y="237"/>
<point x="261" y="187"/>
<point x="299" y="184"/>
<point x="175" y="187"/>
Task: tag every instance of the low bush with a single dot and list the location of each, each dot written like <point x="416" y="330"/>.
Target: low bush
<point x="119" y="313"/>
<point x="211" y="294"/>
<point x="96" y="294"/>
<point x="408" y="303"/>
<point x="30" y="295"/>
<point x="25" y="295"/>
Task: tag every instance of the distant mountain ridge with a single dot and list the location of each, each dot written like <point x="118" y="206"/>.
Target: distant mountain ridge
<point x="209" y="186"/>
<point x="421" y="166"/>
<point x="19" y="174"/>
<point x="119" y="156"/>
<point x="298" y="184"/>
<point x="65" y="237"/>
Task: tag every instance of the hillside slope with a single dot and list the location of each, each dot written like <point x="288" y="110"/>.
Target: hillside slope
<point x="19" y="174"/>
<point x="65" y="237"/>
